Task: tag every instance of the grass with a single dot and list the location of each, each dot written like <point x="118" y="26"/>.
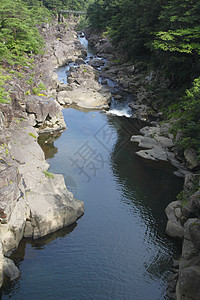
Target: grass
<point x="48" y="174"/>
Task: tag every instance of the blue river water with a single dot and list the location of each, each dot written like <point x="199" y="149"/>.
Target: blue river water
<point x="118" y="249"/>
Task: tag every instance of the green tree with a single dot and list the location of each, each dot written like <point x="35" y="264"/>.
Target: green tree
<point x="18" y="29"/>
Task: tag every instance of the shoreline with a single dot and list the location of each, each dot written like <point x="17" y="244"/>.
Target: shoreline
<point x="29" y="192"/>
<point x="157" y="144"/>
<point x="50" y="119"/>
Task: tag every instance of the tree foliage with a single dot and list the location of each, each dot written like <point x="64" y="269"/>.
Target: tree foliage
<point x="167" y="33"/>
<point x="19" y="34"/>
<point x="166" y="30"/>
<point x="187" y="114"/>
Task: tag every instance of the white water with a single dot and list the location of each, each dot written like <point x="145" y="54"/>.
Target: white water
<point x="121" y="113"/>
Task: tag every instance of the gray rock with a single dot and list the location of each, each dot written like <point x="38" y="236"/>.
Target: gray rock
<point x="79" y="61"/>
<point x="59" y="208"/>
<point x="174" y="227"/>
<point x="10" y="269"/>
<point x="189" y="181"/>
<point x="192" y="208"/>
<point x="47" y="204"/>
<point x="117" y="97"/>
<point x="63" y="98"/>
<point x="150" y="131"/>
<point x="32" y="119"/>
<point x="153" y="154"/>
<point x="6" y="114"/>
<point x="164" y="141"/>
<point x="1" y="264"/>
<point x="148" y="142"/>
<point x="28" y="230"/>
<point x="195" y="234"/>
<point x="188" y="287"/>
<point x="48" y="114"/>
<point x="96" y="62"/>
<point x="174" y="230"/>
<point x="191" y="158"/>
<point x="85" y="91"/>
<point x="136" y="138"/>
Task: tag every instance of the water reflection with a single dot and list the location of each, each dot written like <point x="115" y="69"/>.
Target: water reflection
<point x="146" y="187"/>
<point x="27" y="248"/>
<point x="119" y="248"/>
<point x="46" y="142"/>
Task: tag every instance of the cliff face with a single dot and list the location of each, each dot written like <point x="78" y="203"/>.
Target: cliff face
<point x="33" y="202"/>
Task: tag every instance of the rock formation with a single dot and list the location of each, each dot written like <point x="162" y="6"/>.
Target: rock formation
<point x="33" y="201"/>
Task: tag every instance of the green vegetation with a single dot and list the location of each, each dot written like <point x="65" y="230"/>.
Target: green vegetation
<point x="165" y="32"/>
<point x="83" y="23"/>
<point x="166" y="35"/>
<point x="32" y="135"/>
<point x="66" y="4"/>
<point x="186" y="114"/>
<point x="37" y="89"/>
<point x="19" y="35"/>
<point x="48" y="174"/>
<point x="4" y="96"/>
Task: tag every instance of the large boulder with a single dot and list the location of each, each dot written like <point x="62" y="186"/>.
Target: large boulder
<point x="192" y="208"/>
<point x="188" y="287"/>
<point x="10" y="269"/>
<point x="191" y="158"/>
<point x="48" y="114"/>
<point x="49" y="205"/>
<point x="156" y="153"/>
<point x="52" y="207"/>
<point x="174" y="227"/>
<point x="96" y="62"/>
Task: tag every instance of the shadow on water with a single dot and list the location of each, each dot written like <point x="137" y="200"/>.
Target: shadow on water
<point x="146" y="188"/>
<point x="120" y="244"/>
<point x="27" y="247"/>
<point x="120" y="250"/>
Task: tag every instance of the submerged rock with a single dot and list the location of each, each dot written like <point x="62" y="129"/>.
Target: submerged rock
<point x="10" y="269"/>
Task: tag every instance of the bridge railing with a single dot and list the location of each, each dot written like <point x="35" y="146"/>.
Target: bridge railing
<point x="72" y="12"/>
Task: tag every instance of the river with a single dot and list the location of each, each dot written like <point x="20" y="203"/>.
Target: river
<point x="118" y="249"/>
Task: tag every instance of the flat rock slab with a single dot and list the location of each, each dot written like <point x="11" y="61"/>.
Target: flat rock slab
<point x="87" y="98"/>
<point x="84" y="90"/>
<point x="145" y="142"/>
<point x="59" y="208"/>
<point x="153" y="154"/>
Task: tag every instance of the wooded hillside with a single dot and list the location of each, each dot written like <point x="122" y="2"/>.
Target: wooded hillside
<point x="166" y="35"/>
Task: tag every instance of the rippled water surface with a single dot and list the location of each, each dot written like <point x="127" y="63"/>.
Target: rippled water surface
<point x="118" y="249"/>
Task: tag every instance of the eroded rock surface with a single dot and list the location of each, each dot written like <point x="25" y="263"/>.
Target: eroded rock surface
<point x="84" y="90"/>
<point x="33" y="202"/>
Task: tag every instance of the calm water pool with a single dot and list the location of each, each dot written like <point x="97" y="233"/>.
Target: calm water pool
<point x="118" y="249"/>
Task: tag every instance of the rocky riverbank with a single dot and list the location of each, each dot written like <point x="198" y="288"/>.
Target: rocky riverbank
<point x="33" y="201"/>
<point x="157" y="144"/>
